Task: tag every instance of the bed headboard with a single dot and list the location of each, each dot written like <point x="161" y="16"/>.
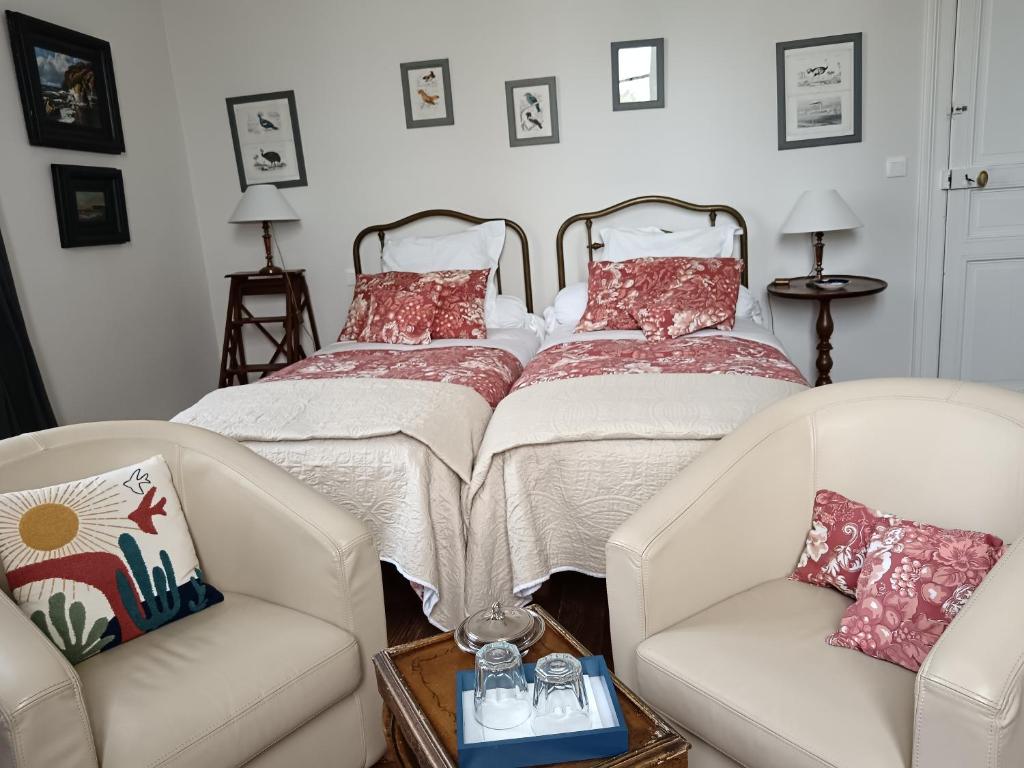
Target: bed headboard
<point x="382" y="229"/>
<point x="589" y="217"/>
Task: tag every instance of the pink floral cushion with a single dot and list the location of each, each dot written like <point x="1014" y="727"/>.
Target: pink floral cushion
<point x="700" y="292"/>
<point x="399" y="317"/>
<point x="914" y="582"/>
<point x="461" y="293"/>
<point x="836" y="545"/>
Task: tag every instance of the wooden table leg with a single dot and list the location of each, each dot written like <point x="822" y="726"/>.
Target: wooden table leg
<point x="397" y="747"/>
<point x="824" y="328"/>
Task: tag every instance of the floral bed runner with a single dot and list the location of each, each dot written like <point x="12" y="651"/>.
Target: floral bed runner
<point x="691" y="354"/>
<point x="489" y="371"/>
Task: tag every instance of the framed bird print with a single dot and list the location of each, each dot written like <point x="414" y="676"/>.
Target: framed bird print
<point x="268" y="146"/>
<point x="532" y="111"/>
<point x="427" y="89"/>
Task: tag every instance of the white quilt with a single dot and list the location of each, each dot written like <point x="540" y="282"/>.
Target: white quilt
<point x="563" y="463"/>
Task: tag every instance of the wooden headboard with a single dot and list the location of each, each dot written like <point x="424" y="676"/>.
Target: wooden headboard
<point x="381" y="229"/>
<point x="589" y="217"/>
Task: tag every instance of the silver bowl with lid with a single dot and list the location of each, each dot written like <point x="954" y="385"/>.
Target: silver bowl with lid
<point x="519" y="626"/>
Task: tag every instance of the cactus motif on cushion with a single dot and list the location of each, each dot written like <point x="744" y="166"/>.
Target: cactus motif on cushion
<point x="76" y="645"/>
<point x="160" y="595"/>
<point x="200" y="587"/>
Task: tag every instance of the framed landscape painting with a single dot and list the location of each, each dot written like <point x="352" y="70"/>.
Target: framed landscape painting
<point x="91" y="207"/>
<point x="427" y="90"/>
<point x="819" y="91"/>
<point x="66" y="81"/>
<point x="268" y="146"/>
<point x="532" y="111"/>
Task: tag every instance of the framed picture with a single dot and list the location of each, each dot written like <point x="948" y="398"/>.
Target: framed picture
<point x="819" y="91"/>
<point x="427" y="89"/>
<point x="638" y="74"/>
<point x="268" y="147"/>
<point x="90" y="205"/>
<point x="532" y="111"/>
<point x="66" y="81"/>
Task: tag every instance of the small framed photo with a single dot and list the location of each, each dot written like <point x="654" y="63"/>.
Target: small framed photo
<point x="66" y="81"/>
<point x="532" y="111"/>
<point x="268" y="146"/>
<point x="90" y="205"/>
<point x="819" y="91"/>
<point x="638" y="74"/>
<point x="427" y="89"/>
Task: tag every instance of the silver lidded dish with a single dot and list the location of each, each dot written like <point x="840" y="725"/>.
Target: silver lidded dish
<point x="519" y="626"/>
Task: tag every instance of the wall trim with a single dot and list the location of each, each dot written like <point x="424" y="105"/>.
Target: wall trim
<point x="936" y="95"/>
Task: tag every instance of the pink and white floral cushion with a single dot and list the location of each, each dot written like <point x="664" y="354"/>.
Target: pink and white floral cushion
<point x="460" y="297"/>
<point x="399" y="317"/>
<point x="698" y="290"/>
<point x="836" y="545"/>
<point x="914" y="582"/>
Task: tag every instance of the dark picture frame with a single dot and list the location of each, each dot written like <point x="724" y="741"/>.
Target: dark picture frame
<point x="658" y="44"/>
<point x="518" y="116"/>
<point x="66" y="82"/>
<point x="91" y="206"/>
<point x="267" y="141"/>
<point x="816" y="93"/>
<point x="426" y="95"/>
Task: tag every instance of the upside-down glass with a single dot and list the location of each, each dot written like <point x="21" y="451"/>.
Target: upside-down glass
<point x="500" y="699"/>
<point x="559" y="696"/>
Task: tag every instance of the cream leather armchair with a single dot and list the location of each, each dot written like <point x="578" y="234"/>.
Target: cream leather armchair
<point x="279" y="674"/>
<point x="708" y="629"/>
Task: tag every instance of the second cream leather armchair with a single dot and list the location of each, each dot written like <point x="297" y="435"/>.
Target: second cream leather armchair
<point x="279" y="674"/>
<point x="708" y="629"/>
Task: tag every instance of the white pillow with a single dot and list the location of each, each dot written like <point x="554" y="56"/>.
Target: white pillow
<point x="478" y="247"/>
<point x="511" y="313"/>
<point x="708" y="242"/>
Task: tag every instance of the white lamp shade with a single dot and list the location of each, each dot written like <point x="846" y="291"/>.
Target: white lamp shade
<point x="263" y="202"/>
<point x="820" y="211"/>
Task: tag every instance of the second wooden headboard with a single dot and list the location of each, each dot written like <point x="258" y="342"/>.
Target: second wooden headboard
<point x="382" y="229"/>
<point x="589" y="217"/>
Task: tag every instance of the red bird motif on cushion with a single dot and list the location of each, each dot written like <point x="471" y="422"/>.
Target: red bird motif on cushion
<point x="143" y="514"/>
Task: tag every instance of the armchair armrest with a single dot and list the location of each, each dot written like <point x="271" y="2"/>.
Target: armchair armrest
<point x="44" y="722"/>
<point x="970" y="687"/>
<point x="733" y="519"/>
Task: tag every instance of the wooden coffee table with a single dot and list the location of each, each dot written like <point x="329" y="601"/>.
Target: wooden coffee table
<point x="417" y="681"/>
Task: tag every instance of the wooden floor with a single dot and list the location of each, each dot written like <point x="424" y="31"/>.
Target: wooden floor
<point x="578" y="602"/>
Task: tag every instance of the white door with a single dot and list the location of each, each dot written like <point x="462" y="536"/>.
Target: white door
<point x="982" y="331"/>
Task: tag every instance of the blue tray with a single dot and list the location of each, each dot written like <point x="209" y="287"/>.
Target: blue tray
<point x="541" y="750"/>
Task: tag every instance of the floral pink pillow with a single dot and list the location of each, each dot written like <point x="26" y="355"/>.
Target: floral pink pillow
<point x="916" y="579"/>
<point x="836" y="545"/>
<point x="461" y="294"/>
<point x="359" y="309"/>
<point x="697" y="289"/>
<point x="399" y="317"/>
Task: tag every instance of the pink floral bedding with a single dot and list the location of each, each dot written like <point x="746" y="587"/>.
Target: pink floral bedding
<point x="688" y="354"/>
<point x="491" y="372"/>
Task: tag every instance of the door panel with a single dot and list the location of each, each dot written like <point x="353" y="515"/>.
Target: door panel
<point x="982" y="331"/>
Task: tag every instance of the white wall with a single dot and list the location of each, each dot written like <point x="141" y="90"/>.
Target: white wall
<point x="715" y="140"/>
<point x="120" y="331"/>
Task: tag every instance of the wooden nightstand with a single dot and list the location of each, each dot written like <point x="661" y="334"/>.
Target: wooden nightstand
<point x="800" y="288"/>
<point x="291" y="285"/>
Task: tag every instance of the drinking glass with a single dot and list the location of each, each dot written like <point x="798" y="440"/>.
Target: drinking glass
<point x="559" y="697"/>
<point x="500" y="699"/>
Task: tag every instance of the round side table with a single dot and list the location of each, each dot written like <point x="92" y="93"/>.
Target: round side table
<point x="801" y="288"/>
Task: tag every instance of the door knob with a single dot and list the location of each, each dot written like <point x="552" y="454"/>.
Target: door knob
<point x="981" y="181"/>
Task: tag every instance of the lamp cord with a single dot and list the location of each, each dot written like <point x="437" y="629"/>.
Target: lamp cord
<point x="284" y="266"/>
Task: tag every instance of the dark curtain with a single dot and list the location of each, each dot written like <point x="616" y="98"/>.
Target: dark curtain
<point x="24" y="406"/>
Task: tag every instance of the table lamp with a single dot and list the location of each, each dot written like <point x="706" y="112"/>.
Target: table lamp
<point x="817" y="212"/>
<point x="264" y="203"/>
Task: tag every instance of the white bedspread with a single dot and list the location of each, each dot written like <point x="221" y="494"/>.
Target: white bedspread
<point x="564" y="462"/>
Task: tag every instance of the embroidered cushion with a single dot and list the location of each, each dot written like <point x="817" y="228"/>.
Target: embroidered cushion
<point x="704" y="297"/>
<point x="914" y="582"/>
<point x="837" y="542"/>
<point x="461" y="294"/>
<point x="704" y="287"/>
<point x="399" y="317"/>
<point x="99" y="561"/>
